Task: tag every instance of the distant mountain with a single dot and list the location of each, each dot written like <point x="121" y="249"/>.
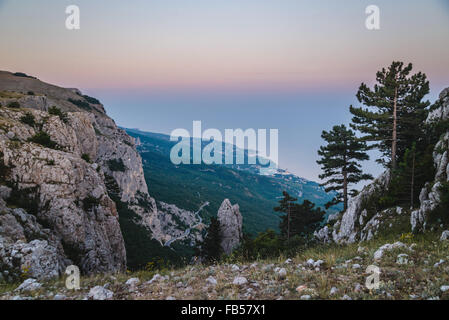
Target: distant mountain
<point x="189" y="186"/>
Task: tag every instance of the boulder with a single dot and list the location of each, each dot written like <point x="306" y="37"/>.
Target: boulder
<point x="387" y="247"/>
<point x="29" y="285"/>
<point x="100" y="293"/>
<point x="240" y="281"/>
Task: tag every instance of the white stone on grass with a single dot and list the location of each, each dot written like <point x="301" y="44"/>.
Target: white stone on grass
<point x="100" y="293"/>
<point x="240" y="281"/>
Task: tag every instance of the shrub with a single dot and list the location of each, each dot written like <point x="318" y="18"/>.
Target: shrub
<point x="5" y="170"/>
<point x="55" y="111"/>
<point x="266" y="245"/>
<point x="30" y="93"/>
<point x="28" y="119"/>
<point x="85" y="157"/>
<point x="116" y="165"/>
<point x="14" y="104"/>
<point x="43" y="139"/>
<point x="91" y="100"/>
<point x="27" y="198"/>
<point x="81" y="104"/>
<point x="23" y="75"/>
<point x="90" y="203"/>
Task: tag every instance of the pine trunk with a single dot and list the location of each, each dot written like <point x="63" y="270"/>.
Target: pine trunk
<point x="395" y="134"/>
<point x="345" y="190"/>
<point x="413" y="182"/>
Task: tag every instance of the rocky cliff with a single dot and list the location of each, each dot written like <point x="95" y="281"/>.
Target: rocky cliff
<point x="361" y="221"/>
<point x="64" y="168"/>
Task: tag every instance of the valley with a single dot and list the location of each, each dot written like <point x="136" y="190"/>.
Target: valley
<point x="189" y="186"/>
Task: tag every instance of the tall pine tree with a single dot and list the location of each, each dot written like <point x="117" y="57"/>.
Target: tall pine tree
<point x="340" y="162"/>
<point x="396" y="111"/>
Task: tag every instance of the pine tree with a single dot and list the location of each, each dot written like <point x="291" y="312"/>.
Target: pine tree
<point x="285" y="206"/>
<point x="414" y="170"/>
<point x="396" y="111"/>
<point x="211" y="249"/>
<point x="304" y="219"/>
<point x="299" y="219"/>
<point x="340" y="162"/>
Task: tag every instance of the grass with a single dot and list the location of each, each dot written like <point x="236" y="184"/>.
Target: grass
<point x="10" y="95"/>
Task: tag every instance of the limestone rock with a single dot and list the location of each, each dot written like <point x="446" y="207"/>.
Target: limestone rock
<point x="349" y="228"/>
<point x="444" y="236"/>
<point x="211" y="280"/>
<point x="282" y="273"/>
<point x="240" y="281"/>
<point x="230" y="221"/>
<point x="387" y="247"/>
<point x="100" y="293"/>
<point x="29" y="285"/>
<point x="132" y="284"/>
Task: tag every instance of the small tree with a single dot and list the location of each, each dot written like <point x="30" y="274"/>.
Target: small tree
<point x="55" y="111"/>
<point x="44" y="140"/>
<point x="211" y="249"/>
<point x="412" y="173"/>
<point x="285" y="206"/>
<point x="14" y="104"/>
<point x="304" y="219"/>
<point x="28" y="119"/>
<point x="299" y="219"/>
<point x="340" y="163"/>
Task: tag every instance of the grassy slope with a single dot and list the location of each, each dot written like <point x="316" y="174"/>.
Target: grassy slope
<point x="419" y="278"/>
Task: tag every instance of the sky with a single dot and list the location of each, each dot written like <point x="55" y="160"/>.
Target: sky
<point x="291" y="65"/>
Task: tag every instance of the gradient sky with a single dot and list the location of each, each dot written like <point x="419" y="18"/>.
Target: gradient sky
<point x="294" y="65"/>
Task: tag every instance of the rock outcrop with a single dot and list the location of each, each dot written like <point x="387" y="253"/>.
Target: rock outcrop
<point x="27" y="248"/>
<point x="356" y="223"/>
<point x="230" y="221"/>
